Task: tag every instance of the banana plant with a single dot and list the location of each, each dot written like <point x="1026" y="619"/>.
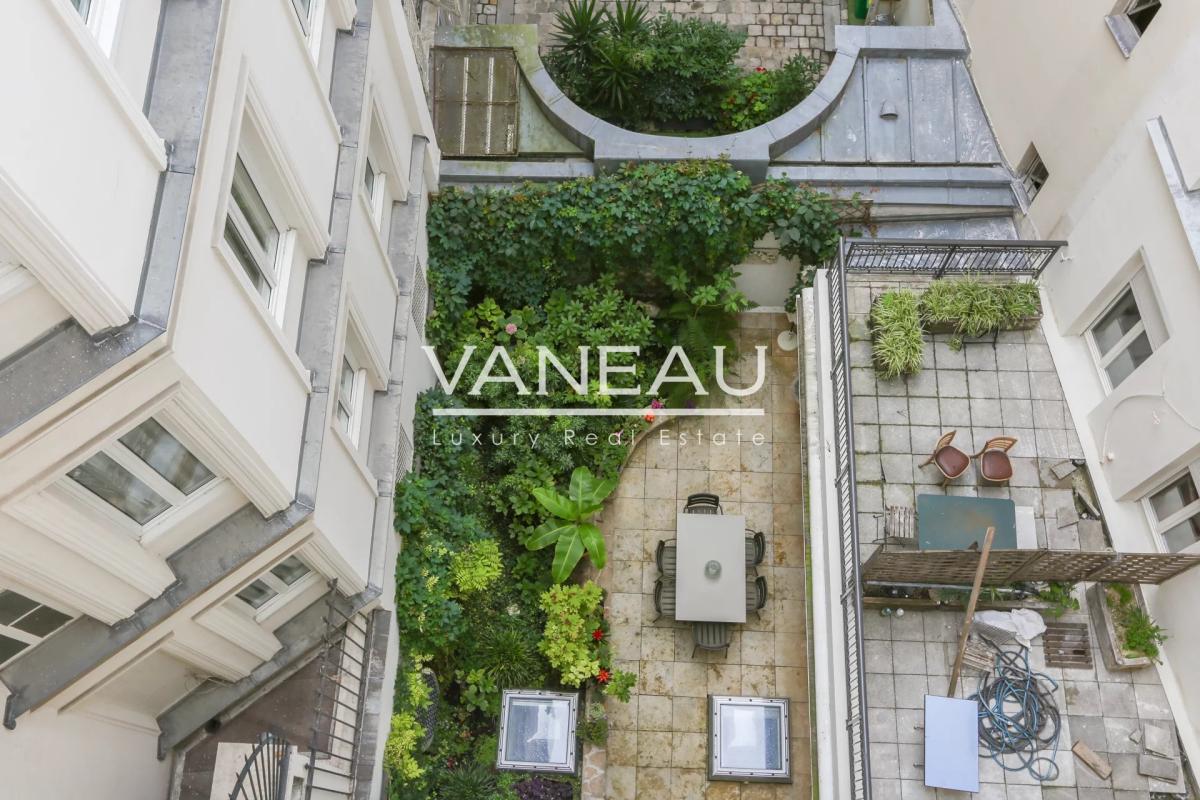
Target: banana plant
<point x="569" y="528"/>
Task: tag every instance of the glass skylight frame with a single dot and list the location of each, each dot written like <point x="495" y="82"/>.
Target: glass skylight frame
<point x="718" y="771"/>
<point x="568" y="702"/>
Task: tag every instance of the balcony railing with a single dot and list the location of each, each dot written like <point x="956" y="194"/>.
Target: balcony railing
<point x="917" y="257"/>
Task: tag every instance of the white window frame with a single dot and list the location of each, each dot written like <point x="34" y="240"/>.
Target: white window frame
<point x="100" y="19"/>
<point x="126" y="458"/>
<point x="272" y="266"/>
<point x="24" y="636"/>
<point x="1104" y="359"/>
<point x="354" y="354"/>
<point x="376" y="192"/>
<point x="1029" y="162"/>
<point x="1160" y="527"/>
<point x="284" y="594"/>
<point x="718" y="772"/>
<point x="571" y="701"/>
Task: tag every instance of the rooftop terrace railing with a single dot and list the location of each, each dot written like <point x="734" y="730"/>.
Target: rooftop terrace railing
<point x="933" y="258"/>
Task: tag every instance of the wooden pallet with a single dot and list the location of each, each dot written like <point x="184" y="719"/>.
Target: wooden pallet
<point x="1068" y="645"/>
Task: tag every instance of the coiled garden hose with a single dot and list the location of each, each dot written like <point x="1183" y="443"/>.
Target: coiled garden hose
<point x="1018" y="718"/>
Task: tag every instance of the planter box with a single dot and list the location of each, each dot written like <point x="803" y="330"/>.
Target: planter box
<point x="1106" y="631"/>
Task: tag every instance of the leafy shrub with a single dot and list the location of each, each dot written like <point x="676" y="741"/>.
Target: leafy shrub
<point x="540" y="788"/>
<point x="594" y="726"/>
<point x="477" y="567"/>
<point x="400" y="751"/>
<point x="898" y="343"/>
<point x="762" y="95"/>
<point x="572" y="614"/>
<point x="1061" y="598"/>
<point x="661" y="230"/>
<point x="621" y="67"/>
<point x="569" y="527"/>
<point x="975" y="308"/>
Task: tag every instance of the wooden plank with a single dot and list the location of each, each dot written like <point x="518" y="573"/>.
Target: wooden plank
<point x="1088" y="756"/>
<point x="970" y="615"/>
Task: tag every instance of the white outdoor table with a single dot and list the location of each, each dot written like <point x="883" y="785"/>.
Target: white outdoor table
<point x="701" y="538"/>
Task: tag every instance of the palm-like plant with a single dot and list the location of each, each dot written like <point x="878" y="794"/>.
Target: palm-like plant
<point x="627" y="18"/>
<point x="570" y="529"/>
<point x="580" y="27"/>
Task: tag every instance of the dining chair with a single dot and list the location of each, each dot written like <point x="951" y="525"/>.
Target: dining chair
<point x="702" y="503"/>
<point x="711" y="636"/>
<point x="994" y="464"/>
<point x="664" y="598"/>
<point x="756" y="549"/>
<point x="664" y="557"/>
<point x="756" y="595"/>
<point x="949" y="460"/>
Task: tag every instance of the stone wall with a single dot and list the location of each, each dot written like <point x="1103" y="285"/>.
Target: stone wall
<point x="776" y="29"/>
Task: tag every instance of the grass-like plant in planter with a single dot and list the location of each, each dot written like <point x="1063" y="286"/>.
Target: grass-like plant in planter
<point x="971" y="308"/>
<point x="1129" y="637"/>
<point x="896" y="333"/>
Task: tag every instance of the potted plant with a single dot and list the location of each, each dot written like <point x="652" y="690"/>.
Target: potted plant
<point x="1129" y="637"/>
<point x="971" y="308"/>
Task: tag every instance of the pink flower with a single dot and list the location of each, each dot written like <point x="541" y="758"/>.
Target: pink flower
<point x="656" y="403"/>
<point x="510" y="328"/>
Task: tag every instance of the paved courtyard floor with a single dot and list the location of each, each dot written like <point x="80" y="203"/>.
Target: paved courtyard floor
<point x="658" y="742"/>
<point x="1007" y="386"/>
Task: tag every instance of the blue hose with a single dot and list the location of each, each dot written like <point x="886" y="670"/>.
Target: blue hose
<point x="1017" y="716"/>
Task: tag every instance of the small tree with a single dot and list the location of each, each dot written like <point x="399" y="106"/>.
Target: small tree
<point x="570" y="529"/>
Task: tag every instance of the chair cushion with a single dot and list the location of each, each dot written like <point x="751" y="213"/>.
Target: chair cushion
<point x="952" y="461"/>
<point x="995" y="465"/>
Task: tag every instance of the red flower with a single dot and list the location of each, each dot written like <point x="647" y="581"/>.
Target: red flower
<point x="597" y="635"/>
<point x="603" y="676"/>
<point x="760" y="69"/>
<point x="649" y="418"/>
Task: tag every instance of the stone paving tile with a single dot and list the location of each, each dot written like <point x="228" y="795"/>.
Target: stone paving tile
<point x="658" y="742"/>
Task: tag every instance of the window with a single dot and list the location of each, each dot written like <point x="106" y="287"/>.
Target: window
<point x="1120" y="338"/>
<point x="374" y="185"/>
<point x="1175" y="511"/>
<point x="537" y="731"/>
<point x="1141" y="12"/>
<point x="276" y="581"/>
<point x="352" y="387"/>
<point x="142" y="474"/>
<point x="25" y="622"/>
<point x="749" y="739"/>
<point x="345" y="397"/>
<point x="84" y="7"/>
<point x="1033" y="173"/>
<point x="252" y="234"/>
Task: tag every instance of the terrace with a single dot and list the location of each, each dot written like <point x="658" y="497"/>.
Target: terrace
<point x="902" y="624"/>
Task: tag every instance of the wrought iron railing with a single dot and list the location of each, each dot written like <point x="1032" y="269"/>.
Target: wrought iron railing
<point x="918" y="257"/>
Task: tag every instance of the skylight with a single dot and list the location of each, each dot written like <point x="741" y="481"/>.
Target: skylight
<point x="537" y="731"/>
<point x="749" y="739"/>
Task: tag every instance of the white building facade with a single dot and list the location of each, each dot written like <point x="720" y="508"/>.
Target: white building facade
<point x="1096" y="110"/>
<point x="212" y="289"/>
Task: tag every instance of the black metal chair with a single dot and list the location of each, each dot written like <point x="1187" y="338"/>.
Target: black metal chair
<point x="711" y="636"/>
<point x="756" y="595"/>
<point x="756" y="549"/>
<point x="664" y="557"/>
<point x="702" y="503"/>
<point x="664" y="598"/>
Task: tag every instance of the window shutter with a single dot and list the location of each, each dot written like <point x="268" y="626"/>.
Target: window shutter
<point x="475" y="101"/>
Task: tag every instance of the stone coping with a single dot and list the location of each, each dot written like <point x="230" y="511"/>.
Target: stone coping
<point x="750" y="151"/>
